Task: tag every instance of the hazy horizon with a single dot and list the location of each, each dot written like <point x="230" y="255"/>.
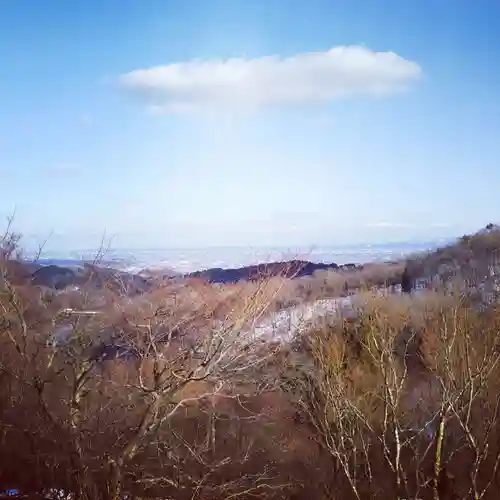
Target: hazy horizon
<point x="50" y="247"/>
<point x="195" y="259"/>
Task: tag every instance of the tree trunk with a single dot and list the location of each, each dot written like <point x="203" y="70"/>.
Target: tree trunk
<point x="114" y="483"/>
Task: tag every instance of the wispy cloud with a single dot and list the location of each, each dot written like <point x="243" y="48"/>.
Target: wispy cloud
<point x="416" y="226"/>
<point x="388" y="225"/>
<point x="61" y="169"/>
<point x="54" y="169"/>
<point x="85" y="119"/>
<point x="303" y="78"/>
<point x="441" y="225"/>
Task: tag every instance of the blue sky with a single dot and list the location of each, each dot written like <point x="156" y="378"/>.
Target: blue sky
<point x="100" y="131"/>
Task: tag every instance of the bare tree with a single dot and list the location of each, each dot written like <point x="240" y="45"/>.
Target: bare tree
<point x="410" y="412"/>
<point x="113" y="404"/>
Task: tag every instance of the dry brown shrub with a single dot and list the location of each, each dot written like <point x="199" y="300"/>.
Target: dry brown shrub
<point x="333" y="283"/>
<point x="165" y="420"/>
<point x="404" y="400"/>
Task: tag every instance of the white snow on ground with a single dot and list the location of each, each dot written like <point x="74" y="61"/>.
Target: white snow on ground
<point x="281" y="326"/>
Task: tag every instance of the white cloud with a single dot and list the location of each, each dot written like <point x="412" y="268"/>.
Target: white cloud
<point x="271" y="81"/>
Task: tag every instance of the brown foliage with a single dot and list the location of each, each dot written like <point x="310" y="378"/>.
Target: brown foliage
<point x="400" y="402"/>
<point x="404" y="403"/>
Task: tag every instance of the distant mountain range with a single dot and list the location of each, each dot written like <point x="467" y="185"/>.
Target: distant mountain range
<point x="58" y="274"/>
<point x="288" y="269"/>
<point x="187" y="260"/>
<point x="59" y="277"/>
